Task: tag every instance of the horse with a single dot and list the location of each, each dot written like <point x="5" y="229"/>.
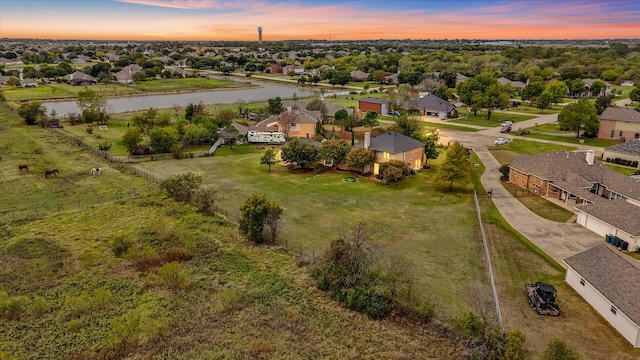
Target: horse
<point x="50" y="173"/>
<point x="96" y="171"/>
<point x="23" y="167"/>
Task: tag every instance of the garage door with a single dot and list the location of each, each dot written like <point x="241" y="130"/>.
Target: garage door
<point x="594" y="224"/>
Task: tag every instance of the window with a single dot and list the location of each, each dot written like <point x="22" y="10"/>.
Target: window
<point x="385" y="155"/>
<point x="620" y="133"/>
<point x="636" y="136"/>
<point x="614" y="310"/>
<point x="582" y="282"/>
<point x="613" y="133"/>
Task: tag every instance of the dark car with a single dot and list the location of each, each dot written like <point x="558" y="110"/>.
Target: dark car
<point x="505" y="129"/>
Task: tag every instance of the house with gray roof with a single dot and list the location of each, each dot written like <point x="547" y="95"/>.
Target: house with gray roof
<point x="608" y="280"/>
<point x="393" y="146"/>
<point x="616" y="217"/>
<point x="359" y="75"/>
<point x="619" y="123"/>
<point x="628" y="150"/>
<point x="433" y="106"/>
<point x="78" y="78"/>
<point x="518" y="85"/>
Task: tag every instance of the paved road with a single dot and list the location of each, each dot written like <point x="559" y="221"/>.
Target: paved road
<point x="558" y="240"/>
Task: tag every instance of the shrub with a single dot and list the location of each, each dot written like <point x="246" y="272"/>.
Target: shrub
<point x="89" y="129"/>
<point x="394" y="170"/>
<point x="504" y="169"/>
<point x="181" y="187"/>
<point x="172" y="275"/>
<point x="120" y="245"/>
<point x="254" y="211"/>
<point x="559" y="350"/>
<point x="104" y="146"/>
<point x="11" y="307"/>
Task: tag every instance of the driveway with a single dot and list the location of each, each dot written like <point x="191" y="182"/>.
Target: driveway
<point x="558" y="240"/>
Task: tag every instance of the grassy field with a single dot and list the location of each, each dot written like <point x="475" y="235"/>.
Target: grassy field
<point x="32" y="195"/>
<point x="328" y="205"/>
<point x="528" y="109"/>
<point x="525" y="147"/>
<point x="551" y="128"/>
<point x="62" y="91"/>
<point x="539" y="205"/>
<point x="572" y="140"/>
<point x="481" y="118"/>
<point x="622" y="169"/>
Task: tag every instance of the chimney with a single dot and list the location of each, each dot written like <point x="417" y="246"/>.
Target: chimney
<point x="367" y="140"/>
<point x="590" y="157"/>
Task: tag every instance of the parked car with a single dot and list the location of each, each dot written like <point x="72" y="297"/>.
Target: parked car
<point x="506" y="123"/>
<point x="500" y="141"/>
<point x="393" y="113"/>
<point x="505" y="129"/>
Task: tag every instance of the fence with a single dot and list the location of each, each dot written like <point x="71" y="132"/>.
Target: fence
<point x="488" y="260"/>
<point x="36" y="211"/>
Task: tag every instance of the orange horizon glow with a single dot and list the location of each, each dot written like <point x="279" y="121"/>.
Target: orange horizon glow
<point x="211" y="20"/>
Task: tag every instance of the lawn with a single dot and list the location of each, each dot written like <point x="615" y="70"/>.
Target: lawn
<point x="187" y="84"/>
<point x="481" y="118"/>
<point x="572" y="140"/>
<point x="32" y="195"/>
<point x="528" y="109"/>
<point x="426" y="222"/>
<point x="551" y="128"/>
<point x="525" y="147"/>
<point x="621" y="169"/>
<point x="539" y="205"/>
<point x="113" y="135"/>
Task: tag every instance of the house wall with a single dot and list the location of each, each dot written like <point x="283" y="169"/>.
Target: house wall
<point x="602" y="228"/>
<point x="303" y="129"/>
<point x="529" y="182"/>
<point x="627" y="130"/>
<point x="625" y="326"/>
<point x="413" y="157"/>
<point x="367" y="106"/>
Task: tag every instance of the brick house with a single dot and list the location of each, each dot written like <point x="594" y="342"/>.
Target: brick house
<point x="273" y="69"/>
<point x="433" y="106"/>
<point x="619" y="123"/>
<point x="393" y="146"/>
<point x="607" y="280"/>
<point x="359" y="75"/>
<point x="572" y="177"/>
<point x="378" y="105"/>
<point x="298" y="122"/>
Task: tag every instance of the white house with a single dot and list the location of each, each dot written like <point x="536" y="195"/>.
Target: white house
<point x="616" y="217"/>
<point x="608" y="280"/>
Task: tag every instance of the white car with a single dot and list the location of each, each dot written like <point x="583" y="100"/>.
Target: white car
<point x="506" y="123"/>
<point x="500" y="141"/>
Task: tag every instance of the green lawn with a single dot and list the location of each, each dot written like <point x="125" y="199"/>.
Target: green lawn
<point x="622" y="169"/>
<point x="113" y="135"/>
<point x="528" y="109"/>
<point x="551" y="128"/>
<point x="572" y="140"/>
<point x="505" y="154"/>
<point x="481" y="118"/>
<point x="317" y="207"/>
<point x="539" y="205"/>
<point x="186" y="84"/>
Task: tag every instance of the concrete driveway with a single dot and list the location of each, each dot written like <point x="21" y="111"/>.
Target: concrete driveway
<point x="558" y="240"/>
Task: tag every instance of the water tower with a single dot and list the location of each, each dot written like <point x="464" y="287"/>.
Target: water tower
<point x="260" y="34"/>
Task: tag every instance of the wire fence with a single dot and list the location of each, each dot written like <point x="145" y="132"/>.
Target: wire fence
<point x="488" y="260"/>
<point x="41" y="210"/>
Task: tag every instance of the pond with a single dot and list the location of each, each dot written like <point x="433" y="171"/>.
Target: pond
<point x="162" y="101"/>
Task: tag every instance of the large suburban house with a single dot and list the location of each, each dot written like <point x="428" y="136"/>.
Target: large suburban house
<point x="390" y="79"/>
<point x="589" y="82"/>
<point x="125" y="76"/>
<point x="298" y="122"/>
<point x="572" y="177"/>
<point x="379" y="105"/>
<point x="608" y="280"/>
<point x="619" y="123"/>
<point x="517" y="85"/>
<point x="629" y="151"/>
<point x="358" y="75"/>
<point x="432" y="105"/>
<point x="78" y="77"/>
<point x="393" y="146"/>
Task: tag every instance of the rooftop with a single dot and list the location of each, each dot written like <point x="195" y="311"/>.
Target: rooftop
<point x="620" y="114"/>
<point x="619" y="213"/>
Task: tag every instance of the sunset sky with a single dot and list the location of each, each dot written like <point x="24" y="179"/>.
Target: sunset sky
<point x="322" y="20"/>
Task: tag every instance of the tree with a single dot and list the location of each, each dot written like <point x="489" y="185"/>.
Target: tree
<point x="358" y="158"/>
<point x="334" y="150"/>
<point x="496" y="96"/>
<point x="430" y="145"/>
<point x="318" y="105"/>
<point x="471" y="88"/>
<point x="455" y="166"/>
<point x="370" y="119"/>
<point x="253" y="213"/>
<point x="181" y="187"/>
<point x="378" y="75"/>
<point x="340" y="117"/>
<point x="189" y="111"/>
<point x="559" y="350"/>
<point x="544" y="101"/>
<point x="449" y="79"/>
<point x="442" y="92"/>
<point x="274" y="105"/>
<point x="273" y="221"/>
<point x="162" y="139"/>
<point x="13" y="81"/>
<point x="93" y="106"/>
<point x="269" y="158"/>
<point x="532" y="89"/>
<point x="131" y="139"/>
<point x="394" y="170"/>
<point x="407" y="125"/>
<point x="241" y="104"/>
<point x="576" y="87"/>
<point x="340" y="78"/>
<point x="285" y="119"/>
<point x="195" y="134"/>
<point x="557" y="90"/>
<point x="603" y="102"/>
<point x="299" y="152"/>
<point x="579" y="116"/>
<point x="32" y="112"/>
<point x="145" y="121"/>
<point x="514" y="348"/>
<point x="230" y="133"/>
<point x="634" y="95"/>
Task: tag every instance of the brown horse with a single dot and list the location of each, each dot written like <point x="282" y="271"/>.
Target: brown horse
<point x="23" y="167"/>
<point x="50" y="173"/>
